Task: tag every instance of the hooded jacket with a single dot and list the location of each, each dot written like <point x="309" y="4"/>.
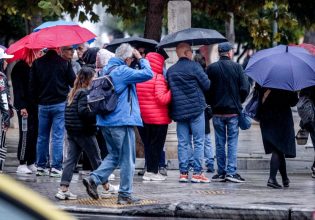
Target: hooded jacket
<point x="154" y="95"/>
<point x="127" y="111"/>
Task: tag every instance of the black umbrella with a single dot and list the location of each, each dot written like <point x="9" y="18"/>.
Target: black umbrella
<point x="136" y="42"/>
<point x="192" y="36"/>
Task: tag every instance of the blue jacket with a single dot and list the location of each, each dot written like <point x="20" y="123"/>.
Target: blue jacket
<point x="126" y="112"/>
<point x="188" y="82"/>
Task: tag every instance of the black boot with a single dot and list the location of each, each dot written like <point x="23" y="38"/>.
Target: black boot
<point x="273" y="183"/>
<point x="286" y="182"/>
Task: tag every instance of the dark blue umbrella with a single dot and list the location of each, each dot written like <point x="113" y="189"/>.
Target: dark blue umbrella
<point x="282" y="67"/>
<point x="192" y="36"/>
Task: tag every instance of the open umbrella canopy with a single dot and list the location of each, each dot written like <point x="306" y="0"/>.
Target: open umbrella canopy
<point x="282" y="67"/>
<point x="309" y="47"/>
<point x="51" y="37"/>
<point x="192" y="36"/>
<point x="54" y="23"/>
<point x="136" y="42"/>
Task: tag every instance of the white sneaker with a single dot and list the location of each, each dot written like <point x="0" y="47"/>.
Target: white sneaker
<point x="55" y="173"/>
<point x="113" y="189"/>
<point x="22" y="169"/>
<point x="153" y="177"/>
<point x="111" y="177"/>
<point x="42" y="172"/>
<point x="65" y="195"/>
<point x="32" y="168"/>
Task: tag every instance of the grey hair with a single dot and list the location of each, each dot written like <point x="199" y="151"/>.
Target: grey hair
<point x="124" y="51"/>
<point x="223" y="54"/>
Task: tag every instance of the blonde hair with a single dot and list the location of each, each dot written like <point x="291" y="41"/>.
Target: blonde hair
<point x="83" y="80"/>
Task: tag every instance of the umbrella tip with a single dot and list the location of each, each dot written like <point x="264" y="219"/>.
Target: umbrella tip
<point x="287" y="48"/>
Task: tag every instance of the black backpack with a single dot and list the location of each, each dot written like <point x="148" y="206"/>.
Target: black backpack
<point x="306" y="109"/>
<point x="102" y="98"/>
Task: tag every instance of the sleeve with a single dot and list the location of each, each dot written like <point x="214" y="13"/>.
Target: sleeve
<point x="70" y="74"/>
<point x="83" y="109"/>
<point x="202" y="78"/>
<point x="132" y="76"/>
<point x="244" y="84"/>
<point x="19" y="89"/>
<point x="32" y="87"/>
<point x="162" y="93"/>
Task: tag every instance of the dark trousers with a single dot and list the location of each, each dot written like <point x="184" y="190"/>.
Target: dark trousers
<point x="86" y="165"/>
<point x="153" y="138"/>
<point x="77" y="144"/>
<point x="26" y="153"/>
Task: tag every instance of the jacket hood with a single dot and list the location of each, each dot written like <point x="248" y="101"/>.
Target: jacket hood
<point x="114" y="61"/>
<point x="156" y="61"/>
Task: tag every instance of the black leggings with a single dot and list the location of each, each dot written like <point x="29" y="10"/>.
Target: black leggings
<point x="277" y="162"/>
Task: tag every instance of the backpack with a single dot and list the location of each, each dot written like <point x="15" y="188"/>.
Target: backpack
<point x="102" y="98"/>
<point x="251" y="108"/>
<point x="306" y="109"/>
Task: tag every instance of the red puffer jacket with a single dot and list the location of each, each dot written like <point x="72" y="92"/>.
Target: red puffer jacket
<point x="154" y="95"/>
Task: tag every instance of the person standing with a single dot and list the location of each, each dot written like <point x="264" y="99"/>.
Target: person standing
<point x="4" y="106"/>
<point x="229" y="89"/>
<point x="67" y="54"/>
<point x="25" y="111"/>
<point x="118" y="126"/>
<point x="277" y="130"/>
<point x="154" y="97"/>
<point x="188" y="82"/>
<point x="50" y="80"/>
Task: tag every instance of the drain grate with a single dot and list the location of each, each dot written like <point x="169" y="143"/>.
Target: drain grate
<point x="108" y="202"/>
<point x="211" y="192"/>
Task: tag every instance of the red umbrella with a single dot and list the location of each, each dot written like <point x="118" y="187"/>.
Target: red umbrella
<point x="51" y="37"/>
<point x="309" y="47"/>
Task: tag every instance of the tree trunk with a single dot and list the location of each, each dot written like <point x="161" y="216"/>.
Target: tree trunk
<point x="229" y="28"/>
<point x="154" y="17"/>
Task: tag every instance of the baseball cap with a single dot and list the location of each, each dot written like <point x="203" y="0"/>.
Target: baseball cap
<point x="225" y="47"/>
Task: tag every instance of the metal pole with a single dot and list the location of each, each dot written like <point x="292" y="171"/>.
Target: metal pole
<point x="275" y="24"/>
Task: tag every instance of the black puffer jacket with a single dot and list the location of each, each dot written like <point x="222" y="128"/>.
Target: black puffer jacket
<point x="79" y="120"/>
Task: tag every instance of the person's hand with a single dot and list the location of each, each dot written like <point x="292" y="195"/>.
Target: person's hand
<point x="136" y="54"/>
<point x="24" y="112"/>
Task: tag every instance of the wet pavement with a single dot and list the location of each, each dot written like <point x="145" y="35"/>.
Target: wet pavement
<point x="171" y="199"/>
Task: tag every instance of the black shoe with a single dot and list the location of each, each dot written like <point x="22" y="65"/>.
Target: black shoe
<point x="122" y="200"/>
<point x="218" y="178"/>
<point x="91" y="187"/>
<point x="141" y="172"/>
<point x="210" y="170"/>
<point x="274" y="184"/>
<point x="286" y="182"/>
<point x="313" y="173"/>
<point x="163" y="171"/>
<point x="236" y="178"/>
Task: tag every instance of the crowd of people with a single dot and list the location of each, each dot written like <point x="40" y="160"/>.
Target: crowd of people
<point x="51" y="91"/>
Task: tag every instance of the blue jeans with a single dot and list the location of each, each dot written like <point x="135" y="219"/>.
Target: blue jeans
<point x="208" y="154"/>
<point x="51" y="119"/>
<point x="226" y="131"/>
<point x="197" y="126"/>
<point x="120" y="142"/>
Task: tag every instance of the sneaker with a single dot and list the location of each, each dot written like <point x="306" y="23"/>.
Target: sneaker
<point x="22" y="169"/>
<point x="42" y="172"/>
<point x="218" y="178"/>
<point x="65" y="195"/>
<point x="91" y="187"/>
<point x="122" y="200"/>
<point x="236" y="178"/>
<point x="199" y="178"/>
<point x="55" y="173"/>
<point x="32" y="168"/>
<point x="163" y="171"/>
<point x="210" y="169"/>
<point x="113" y="189"/>
<point x="313" y="173"/>
<point x="149" y="176"/>
<point x="183" y="177"/>
<point x="111" y="177"/>
<point x="141" y="172"/>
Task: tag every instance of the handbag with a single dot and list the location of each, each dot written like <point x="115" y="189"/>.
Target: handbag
<point x="302" y="137"/>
